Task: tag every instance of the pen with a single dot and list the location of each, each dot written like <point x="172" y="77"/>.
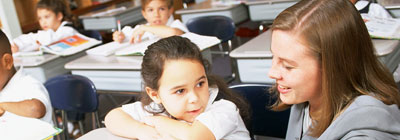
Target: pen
<point x="119" y="26"/>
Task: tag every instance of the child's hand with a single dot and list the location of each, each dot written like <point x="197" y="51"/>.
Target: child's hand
<point x="137" y="35"/>
<point x="14" y="48"/>
<point x="118" y="36"/>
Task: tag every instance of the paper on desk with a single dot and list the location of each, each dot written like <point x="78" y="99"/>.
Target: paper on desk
<point x="386" y="28"/>
<point x="203" y="42"/>
<point x="22" y="128"/>
<point x="34" y="53"/>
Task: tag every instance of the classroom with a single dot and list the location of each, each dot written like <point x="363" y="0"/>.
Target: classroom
<point x="199" y="69"/>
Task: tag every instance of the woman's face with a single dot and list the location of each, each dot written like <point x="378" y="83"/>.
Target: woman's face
<point x="296" y="71"/>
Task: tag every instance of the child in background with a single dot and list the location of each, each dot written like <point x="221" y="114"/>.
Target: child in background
<point x="366" y="7"/>
<point x="53" y="16"/>
<point x="20" y="94"/>
<point x="160" y="23"/>
<point x="181" y="100"/>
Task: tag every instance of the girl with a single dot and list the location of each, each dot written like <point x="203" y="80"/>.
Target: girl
<point x="160" y="23"/>
<point x="53" y="16"/>
<point x="181" y="101"/>
<point x="326" y="69"/>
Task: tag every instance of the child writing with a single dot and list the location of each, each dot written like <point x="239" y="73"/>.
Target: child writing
<point x="53" y="16"/>
<point x="160" y="23"/>
<point x="20" y="94"/>
<point x="181" y="100"/>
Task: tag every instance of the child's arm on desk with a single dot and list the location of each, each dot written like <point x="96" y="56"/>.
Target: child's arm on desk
<point x="181" y="130"/>
<point x="121" y="124"/>
<point x="28" y="108"/>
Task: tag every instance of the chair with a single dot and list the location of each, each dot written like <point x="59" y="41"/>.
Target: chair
<point x="76" y="94"/>
<point x="93" y="34"/>
<point x="264" y="122"/>
<point x="221" y="27"/>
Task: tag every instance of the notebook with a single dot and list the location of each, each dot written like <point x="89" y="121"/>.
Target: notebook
<point x="203" y="42"/>
<point x="14" y="127"/>
<point x="70" y="45"/>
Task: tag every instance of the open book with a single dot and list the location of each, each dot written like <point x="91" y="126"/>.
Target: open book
<point x="14" y="127"/>
<point x="70" y="45"/>
<point x="203" y="42"/>
<point x="386" y="28"/>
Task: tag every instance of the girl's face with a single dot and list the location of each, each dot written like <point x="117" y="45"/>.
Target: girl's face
<point x="48" y="19"/>
<point x="296" y="71"/>
<point x="157" y="12"/>
<point x="183" y="89"/>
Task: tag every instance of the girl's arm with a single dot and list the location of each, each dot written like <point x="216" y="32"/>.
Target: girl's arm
<point x="121" y="124"/>
<point x="181" y="130"/>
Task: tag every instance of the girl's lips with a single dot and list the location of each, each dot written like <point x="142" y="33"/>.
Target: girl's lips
<point x="195" y="111"/>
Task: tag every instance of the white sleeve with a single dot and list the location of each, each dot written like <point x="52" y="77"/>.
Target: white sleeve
<point x="179" y="25"/>
<point x="49" y="36"/>
<point x="26" y="42"/>
<point x="128" y="31"/>
<point x="378" y="11"/>
<point x="136" y="111"/>
<point x="221" y="118"/>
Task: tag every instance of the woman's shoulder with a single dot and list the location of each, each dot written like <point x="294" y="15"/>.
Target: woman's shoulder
<point x="368" y="116"/>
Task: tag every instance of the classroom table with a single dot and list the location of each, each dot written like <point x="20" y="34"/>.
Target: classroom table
<point x="100" y="134"/>
<point x="113" y="73"/>
<point x="237" y="12"/>
<point x="254" y="58"/>
<point x="267" y="10"/>
<point x="45" y="66"/>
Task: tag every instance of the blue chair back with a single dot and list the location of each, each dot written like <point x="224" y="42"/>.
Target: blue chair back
<point x="221" y="27"/>
<point x="72" y="93"/>
<point x="264" y="122"/>
<point x="93" y="34"/>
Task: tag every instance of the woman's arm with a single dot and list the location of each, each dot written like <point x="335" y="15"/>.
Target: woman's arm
<point x="181" y="130"/>
<point x="121" y="124"/>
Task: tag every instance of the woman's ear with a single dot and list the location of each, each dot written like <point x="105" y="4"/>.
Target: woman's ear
<point x="153" y="94"/>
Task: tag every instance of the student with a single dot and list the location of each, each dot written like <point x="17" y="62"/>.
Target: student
<point x="181" y="99"/>
<point x="53" y="17"/>
<point x="366" y="7"/>
<point x="160" y="23"/>
<point x="326" y="69"/>
<point x="20" y="94"/>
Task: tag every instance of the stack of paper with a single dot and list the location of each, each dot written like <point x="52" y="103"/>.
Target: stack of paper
<point x="14" y="127"/>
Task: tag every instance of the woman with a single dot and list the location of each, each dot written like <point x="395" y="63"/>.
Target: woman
<point x="326" y="70"/>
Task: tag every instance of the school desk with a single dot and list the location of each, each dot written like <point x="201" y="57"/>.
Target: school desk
<point x="236" y="12"/>
<point x="254" y="57"/>
<point x="267" y="10"/>
<point x="127" y="13"/>
<point x="100" y="134"/>
<point x="113" y="73"/>
<point x="45" y="66"/>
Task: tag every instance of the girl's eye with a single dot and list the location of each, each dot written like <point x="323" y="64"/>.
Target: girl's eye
<point x="149" y="10"/>
<point x="179" y="91"/>
<point x="162" y="9"/>
<point x="200" y="84"/>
